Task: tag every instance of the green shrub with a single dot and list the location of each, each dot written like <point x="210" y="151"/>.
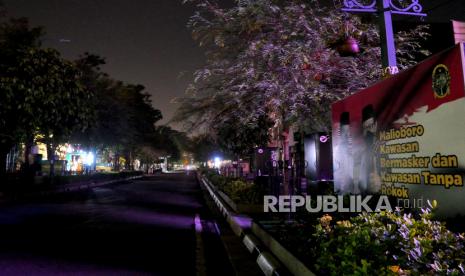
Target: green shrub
<point x="389" y="243"/>
<point x="243" y="192"/>
<point x="238" y="190"/>
<point x="218" y="180"/>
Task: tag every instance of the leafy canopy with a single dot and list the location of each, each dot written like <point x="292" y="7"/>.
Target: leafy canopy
<point x="279" y="59"/>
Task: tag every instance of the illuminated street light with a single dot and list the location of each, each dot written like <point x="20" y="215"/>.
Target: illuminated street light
<point x="217" y="162"/>
<point x="89" y="159"/>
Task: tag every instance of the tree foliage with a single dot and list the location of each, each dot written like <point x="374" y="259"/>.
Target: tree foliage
<point x="50" y="101"/>
<point x="17" y="40"/>
<point x="40" y="92"/>
<point x="239" y="139"/>
<point x="124" y="118"/>
<point x="46" y="98"/>
<point x="278" y="59"/>
<point x="203" y="148"/>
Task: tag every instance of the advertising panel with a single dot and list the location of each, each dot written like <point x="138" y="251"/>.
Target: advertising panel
<point x="405" y="136"/>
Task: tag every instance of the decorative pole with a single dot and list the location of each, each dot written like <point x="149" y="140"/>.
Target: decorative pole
<point x="386" y="8"/>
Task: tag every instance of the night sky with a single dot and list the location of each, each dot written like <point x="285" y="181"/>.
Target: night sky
<point x="144" y="41"/>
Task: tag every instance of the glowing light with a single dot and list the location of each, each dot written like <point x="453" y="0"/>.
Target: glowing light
<point x="324" y="138"/>
<point x="217" y="162"/>
<point x="89" y="158"/>
<point x="69" y="149"/>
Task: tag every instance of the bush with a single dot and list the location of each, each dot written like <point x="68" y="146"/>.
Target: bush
<point x="238" y="190"/>
<point x="218" y="180"/>
<point x="207" y="172"/>
<point x="389" y="243"/>
<point x="243" y="192"/>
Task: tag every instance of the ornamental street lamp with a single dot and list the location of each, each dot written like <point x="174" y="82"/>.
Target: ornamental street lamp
<point x="386" y="8"/>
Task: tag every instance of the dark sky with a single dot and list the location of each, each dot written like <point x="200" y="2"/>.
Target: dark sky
<point x="144" y="41"/>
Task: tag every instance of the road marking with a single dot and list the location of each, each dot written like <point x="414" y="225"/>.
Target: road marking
<point x="199" y="250"/>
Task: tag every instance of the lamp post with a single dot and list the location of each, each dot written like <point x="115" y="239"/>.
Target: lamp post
<point x="386" y="8"/>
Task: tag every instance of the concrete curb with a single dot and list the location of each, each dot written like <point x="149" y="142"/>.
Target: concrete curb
<point x="240" y="208"/>
<point x="295" y="266"/>
<point x="241" y="226"/>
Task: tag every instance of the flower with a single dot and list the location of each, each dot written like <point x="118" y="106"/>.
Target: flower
<point x="344" y="223"/>
<point x="325" y="222"/>
<point x="436" y="266"/>
<point x="394" y="268"/>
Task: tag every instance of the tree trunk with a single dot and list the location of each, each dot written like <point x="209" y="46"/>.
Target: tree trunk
<point x="286" y="176"/>
<point x="12" y="157"/>
<point x="116" y="166"/>
<point x="4" y="150"/>
<point x="27" y="152"/>
<point x="128" y="158"/>
<point x="51" y="159"/>
<point x="27" y="170"/>
<point x="131" y="162"/>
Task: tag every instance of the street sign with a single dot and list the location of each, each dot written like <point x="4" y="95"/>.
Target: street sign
<point x="459" y="31"/>
<point x="405" y="136"/>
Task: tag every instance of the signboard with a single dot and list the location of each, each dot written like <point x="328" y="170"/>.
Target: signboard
<point x="459" y="31"/>
<point x="317" y="153"/>
<point x="405" y="136"/>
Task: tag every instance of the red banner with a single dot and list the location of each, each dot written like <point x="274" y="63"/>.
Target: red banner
<point x="405" y="136"/>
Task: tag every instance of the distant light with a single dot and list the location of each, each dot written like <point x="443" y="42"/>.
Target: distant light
<point x="260" y="151"/>
<point x="217" y="162"/>
<point x="63" y="40"/>
<point x="191" y="167"/>
<point x="89" y="159"/>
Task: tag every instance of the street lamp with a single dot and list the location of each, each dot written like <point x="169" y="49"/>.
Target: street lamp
<point x="217" y="162"/>
<point x="386" y="8"/>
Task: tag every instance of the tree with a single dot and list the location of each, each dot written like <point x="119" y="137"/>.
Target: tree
<point x="279" y="59"/>
<point x="2" y="9"/>
<point x="141" y="118"/>
<point x="16" y="39"/>
<point x="64" y="106"/>
<point x="239" y="138"/>
<point x="203" y="147"/>
<point x="48" y="99"/>
<point x="124" y="116"/>
<point x="171" y="141"/>
<point x="41" y="95"/>
<point x="58" y="101"/>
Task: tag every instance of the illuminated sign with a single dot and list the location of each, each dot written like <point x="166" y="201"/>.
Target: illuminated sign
<point x="405" y="136"/>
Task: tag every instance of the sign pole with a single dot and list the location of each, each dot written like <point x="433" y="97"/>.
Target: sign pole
<point x="386" y="8"/>
<point x="388" y="47"/>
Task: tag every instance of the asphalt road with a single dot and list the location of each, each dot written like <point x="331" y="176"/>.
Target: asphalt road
<point x="142" y="227"/>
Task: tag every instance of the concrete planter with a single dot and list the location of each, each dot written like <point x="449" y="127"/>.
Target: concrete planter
<point x="266" y="262"/>
<point x="295" y="266"/>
